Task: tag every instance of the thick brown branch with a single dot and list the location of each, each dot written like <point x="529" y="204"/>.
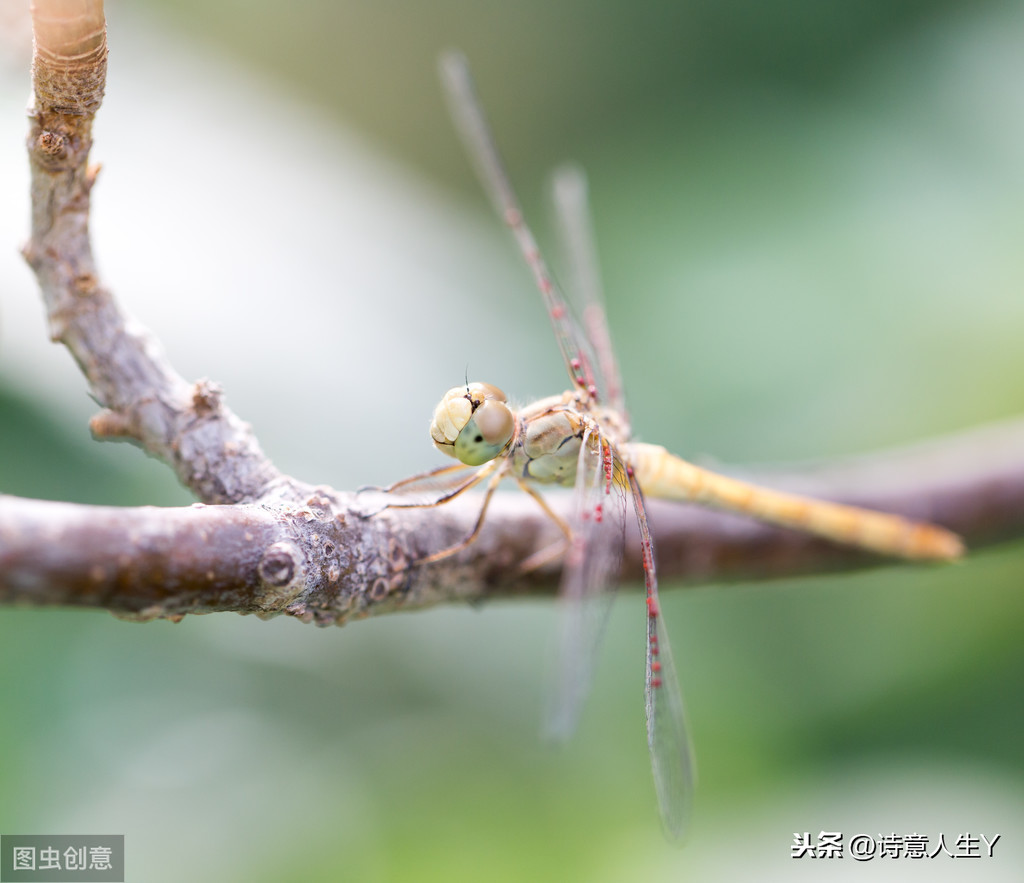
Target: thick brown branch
<point x="213" y="452"/>
<point x="327" y="561"/>
<point x="131" y="561"/>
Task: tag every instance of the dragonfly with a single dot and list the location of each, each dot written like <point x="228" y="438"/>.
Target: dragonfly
<point x="582" y="439"/>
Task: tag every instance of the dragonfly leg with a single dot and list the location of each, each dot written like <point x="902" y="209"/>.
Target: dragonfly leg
<point x="448" y="494"/>
<point x="555" y="550"/>
<point x="430" y="475"/>
<point x="544" y="556"/>
<point x="492" y="486"/>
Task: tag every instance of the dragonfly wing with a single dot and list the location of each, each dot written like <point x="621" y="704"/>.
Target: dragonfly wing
<point x="667" y="736"/>
<point x="476" y="136"/>
<point x="668" y="739"/>
<point x="572" y="212"/>
<point x="592" y="566"/>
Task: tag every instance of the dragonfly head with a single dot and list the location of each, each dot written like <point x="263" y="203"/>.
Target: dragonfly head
<point x="473" y="423"/>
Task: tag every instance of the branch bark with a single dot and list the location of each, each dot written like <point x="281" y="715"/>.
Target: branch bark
<point x="262" y="542"/>
<point x="187" y="425"/>
<point x="327" y="559"/>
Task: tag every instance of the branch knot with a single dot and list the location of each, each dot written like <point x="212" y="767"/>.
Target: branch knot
<point x="282" y="570"/>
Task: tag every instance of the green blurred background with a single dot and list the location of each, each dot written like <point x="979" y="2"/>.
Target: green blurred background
<point x="810" y="223"/>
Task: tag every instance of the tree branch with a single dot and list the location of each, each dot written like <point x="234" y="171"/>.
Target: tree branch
<point x="187" y="425"/>
<point x="329" y="560"/>
<point x="270" y="544"/>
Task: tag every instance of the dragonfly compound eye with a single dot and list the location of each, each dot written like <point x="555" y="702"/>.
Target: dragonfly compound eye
<point x="450" y="418"/>
<point x="472" y="423"/>
<point x="486" y="434"/>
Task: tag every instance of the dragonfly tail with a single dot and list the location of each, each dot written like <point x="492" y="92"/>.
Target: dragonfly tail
<point x="662" y="474"/>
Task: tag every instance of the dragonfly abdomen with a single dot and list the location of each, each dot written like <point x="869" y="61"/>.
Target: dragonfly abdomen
<point x="662" y="474"/>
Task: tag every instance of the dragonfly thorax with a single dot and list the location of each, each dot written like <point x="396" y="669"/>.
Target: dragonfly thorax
<point x="473" y="423"/>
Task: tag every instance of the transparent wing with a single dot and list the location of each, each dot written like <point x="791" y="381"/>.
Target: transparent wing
<point x="572" y="211"/>
<point x="591" y="573"/>
<point x="483" y="152"/>
<point x="667" y="737"/>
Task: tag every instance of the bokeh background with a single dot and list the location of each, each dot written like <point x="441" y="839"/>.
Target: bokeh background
<point x="810" y="222"/>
